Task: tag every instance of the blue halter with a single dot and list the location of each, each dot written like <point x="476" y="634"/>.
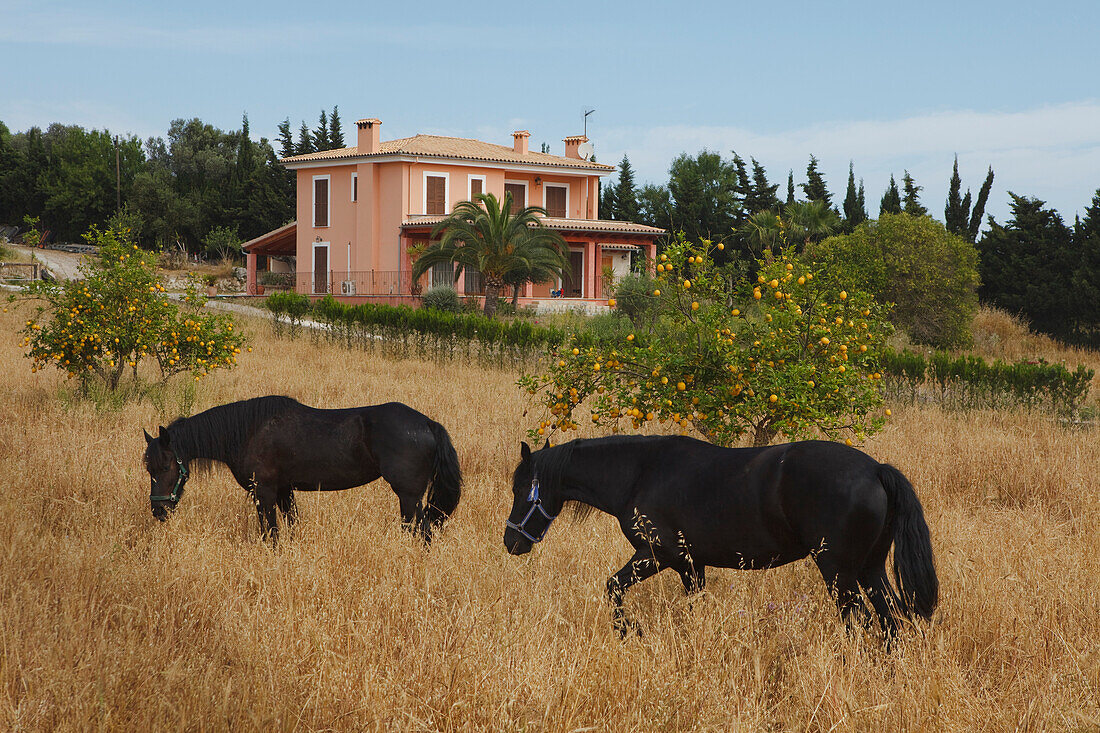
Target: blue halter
<point x="536" y="505"/>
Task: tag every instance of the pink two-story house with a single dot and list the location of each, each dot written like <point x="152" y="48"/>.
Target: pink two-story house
<point x="365" y="211"/>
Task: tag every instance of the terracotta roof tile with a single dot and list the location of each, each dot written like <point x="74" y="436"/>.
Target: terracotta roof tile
<point x="573" y="225"/>
<point x="451" y="147"/>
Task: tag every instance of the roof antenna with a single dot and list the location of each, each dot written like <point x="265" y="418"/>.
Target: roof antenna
<point x="586" y="121"/>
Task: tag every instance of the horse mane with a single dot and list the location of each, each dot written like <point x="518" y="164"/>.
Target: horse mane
<point x="220" y="433"/>
<point x="549" y="465"/>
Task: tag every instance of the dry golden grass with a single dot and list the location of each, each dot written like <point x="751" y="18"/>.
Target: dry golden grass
<point x="111" y="620"/>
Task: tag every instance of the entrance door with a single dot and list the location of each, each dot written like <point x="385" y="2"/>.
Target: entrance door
<point x="320" y="268"/>
<point x="572" y="284"/>
<point x="607" y="274"/>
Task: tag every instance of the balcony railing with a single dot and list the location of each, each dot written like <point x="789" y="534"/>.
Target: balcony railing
<point x="355" y="282"/>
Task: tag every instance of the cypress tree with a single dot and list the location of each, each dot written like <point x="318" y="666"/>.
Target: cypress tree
<point x="305" y="140"/>
<point x="979" y="205"/>
<point x="814" y="187"/>
<point x="790" y="187"/>
<point x="854" y="212"/>
<point x="320" y="135"/>
<point x="862" y="201"/>
<point x="891" y="200"/>
<point x="954" y="215"/>
<point x="608" y="210"/>
<point x="913" y="205"/>
<point x="335" y="132"/>
<point x="286" y="139"/>
<point x="626" y="197"/>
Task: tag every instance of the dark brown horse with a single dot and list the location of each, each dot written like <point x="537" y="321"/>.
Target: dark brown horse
<point x="275" y="446"/>
<point x="686" y="505"/>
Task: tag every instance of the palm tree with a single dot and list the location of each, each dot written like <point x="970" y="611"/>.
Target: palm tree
<point x="811" y="221"/>
<point x="484" y="235"/>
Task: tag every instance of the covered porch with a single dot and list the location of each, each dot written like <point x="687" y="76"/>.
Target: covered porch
<point x="274" y="253"/>
<point x="600" y="253"/>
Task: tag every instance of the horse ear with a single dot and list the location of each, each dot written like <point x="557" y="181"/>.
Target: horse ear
<point x="148" y="438"/>
<point x="164" y="439"/>
<point x="546" y="444"/>
<point x="525" y="451"/>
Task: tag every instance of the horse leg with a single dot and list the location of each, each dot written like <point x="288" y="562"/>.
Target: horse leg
<point x="266" y="509"/>
<point x="842" y="585"/>
<point x="694" y="579"/>
<point x="288" y="506"/>
<point x="411" y="514"/>
<point x="884" y="600"/>
<point x="641" y="566"/>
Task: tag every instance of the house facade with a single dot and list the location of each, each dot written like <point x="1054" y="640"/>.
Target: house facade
<point x="363" y="213"/>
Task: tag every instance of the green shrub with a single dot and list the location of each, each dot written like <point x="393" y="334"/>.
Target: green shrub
<point x="634" y="298"/>
<point x="442" y="298"/>
<point x="928" y="274"/>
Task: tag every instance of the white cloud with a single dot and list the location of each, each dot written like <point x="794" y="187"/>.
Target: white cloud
<point x="1052" y="153"/>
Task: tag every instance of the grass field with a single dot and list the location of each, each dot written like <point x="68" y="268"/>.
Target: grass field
<point x="109" y="619"/>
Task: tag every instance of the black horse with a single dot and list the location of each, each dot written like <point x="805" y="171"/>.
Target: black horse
<point x="685" y="504"/>
<point x="276" y="445"/>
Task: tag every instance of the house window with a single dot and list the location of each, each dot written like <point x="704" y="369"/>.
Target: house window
<point x="435" y="194"/>
<point x="354" y="187"/>
<point x="518" y="189"/>
<point x="320" y="268"/>
<point x="472" y="282"/>
<point x="443" y="273"/>
<point x="477" y="185"/>
<point x="557" y="201"/>
<point x="320" y="201"/>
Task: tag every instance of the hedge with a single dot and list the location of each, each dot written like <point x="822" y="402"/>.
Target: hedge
<point x="972" y="382"/>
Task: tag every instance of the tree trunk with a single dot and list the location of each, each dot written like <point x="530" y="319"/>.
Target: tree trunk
<point x="515" y="295"/>
<point x="762" y="436"/>
<point x="492" y="292"/>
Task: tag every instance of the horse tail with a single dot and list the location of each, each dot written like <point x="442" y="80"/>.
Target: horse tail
<point x="914" y="568"/>
<point x="446" y="486"/>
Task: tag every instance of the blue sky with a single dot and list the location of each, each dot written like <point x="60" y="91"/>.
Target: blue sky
<point x="889" y="86"/>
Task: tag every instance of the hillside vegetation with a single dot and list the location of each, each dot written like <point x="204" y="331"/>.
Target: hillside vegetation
<point x="109" y="619"/>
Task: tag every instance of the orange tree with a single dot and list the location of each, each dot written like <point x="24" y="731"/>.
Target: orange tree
<point x="120" y="315"/>
<point x="784" y="354"/>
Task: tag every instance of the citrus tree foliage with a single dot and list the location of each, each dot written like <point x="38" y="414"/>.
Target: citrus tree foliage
<point x="727" y="356"/>
<point x="120" y="315"/>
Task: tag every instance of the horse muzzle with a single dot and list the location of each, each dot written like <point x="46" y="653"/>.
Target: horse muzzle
<point x="515" y="543"/>
<point x="162" y="510"/>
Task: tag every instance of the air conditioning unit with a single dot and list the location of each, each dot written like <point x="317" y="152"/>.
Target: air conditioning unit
<point x="347" y="287"/>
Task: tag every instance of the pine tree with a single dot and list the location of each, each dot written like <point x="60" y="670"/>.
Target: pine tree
<point x="954" y="215"/>
<point x="761" y="194"/>
<point x="608" y="210"/>
<point x="891" y="200"/>
<point x="790" y="188"/>
<point x="814" y="187"/>
<point x="286" y="139"/>
<point x="854" y="212"/>
<point x="913" y="205"/>
<point x="320" y="135"/>
<point x="742" y="191"/>
<point x="305" y="140"/>
<point x="979" y="205"/>
<point x="626" y="197"/>
<point x="335" y="133"/>
<point x="1025" y="266"/>
<point x="545" y="148"/>
<point x="1086" y="277"/>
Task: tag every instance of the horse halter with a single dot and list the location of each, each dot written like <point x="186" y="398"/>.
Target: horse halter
<point x="177" y="491"/>
<point x="536" y="505"/>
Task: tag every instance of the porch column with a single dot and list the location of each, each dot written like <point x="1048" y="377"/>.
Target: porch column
<point x="250" y="277"/>
<point x="592" y="284"/>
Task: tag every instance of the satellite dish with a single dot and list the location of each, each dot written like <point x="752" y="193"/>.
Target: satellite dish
<point x="585" y="150"/>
